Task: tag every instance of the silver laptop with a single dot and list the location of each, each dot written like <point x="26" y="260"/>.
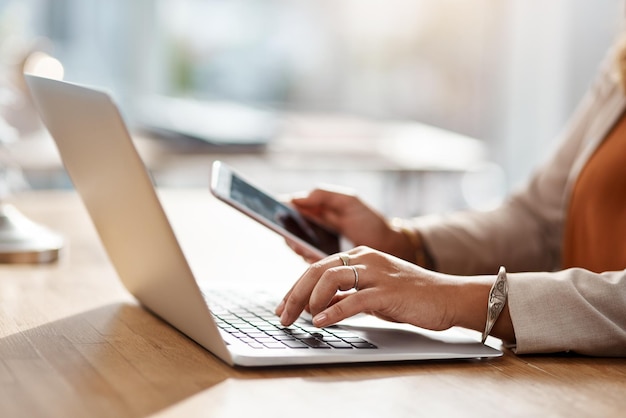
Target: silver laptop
<point x="108" y="173"/>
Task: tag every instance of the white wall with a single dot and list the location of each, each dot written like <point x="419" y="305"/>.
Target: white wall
<point x="551" y="52"/>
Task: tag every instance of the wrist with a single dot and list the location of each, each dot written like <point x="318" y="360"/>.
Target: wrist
<point x="411" y="245"/>
<point x="472" y="305"/>
<point x="471" y="299"/>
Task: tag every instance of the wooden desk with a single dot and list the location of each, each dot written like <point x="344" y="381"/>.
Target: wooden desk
<point x="73" y="343"/>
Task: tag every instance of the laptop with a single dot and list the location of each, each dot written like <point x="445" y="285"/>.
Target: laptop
<point x="106" y="170"/>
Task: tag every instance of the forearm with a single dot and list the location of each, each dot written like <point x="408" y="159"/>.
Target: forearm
<point x="471" y="294"/>
<point x="472" y="297"/>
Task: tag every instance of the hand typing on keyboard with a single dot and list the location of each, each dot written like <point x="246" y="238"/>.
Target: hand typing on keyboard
<point x="255" y="324"/>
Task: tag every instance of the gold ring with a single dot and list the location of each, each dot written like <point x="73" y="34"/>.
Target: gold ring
<point x="345" y="259"/>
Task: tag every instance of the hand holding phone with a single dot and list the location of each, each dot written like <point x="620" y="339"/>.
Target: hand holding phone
<point x="233" y="189"/>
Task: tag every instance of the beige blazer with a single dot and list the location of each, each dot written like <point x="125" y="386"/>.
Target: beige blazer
<point x="551" y="310"/>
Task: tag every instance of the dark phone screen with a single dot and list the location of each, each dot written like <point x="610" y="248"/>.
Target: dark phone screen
<point x="284" y="216"/>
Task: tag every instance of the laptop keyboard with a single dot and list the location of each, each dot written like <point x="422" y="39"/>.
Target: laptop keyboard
<point x="254" y="323"/>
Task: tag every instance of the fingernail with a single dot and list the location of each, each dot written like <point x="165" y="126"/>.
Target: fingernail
<point x="283" y="318"/>
<point x="319" y="320"/>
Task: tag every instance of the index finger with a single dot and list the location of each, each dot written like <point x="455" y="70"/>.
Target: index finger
<point x="302" y="251"/>
<point x="297" y="298"/>
<point x="344" y="308"/>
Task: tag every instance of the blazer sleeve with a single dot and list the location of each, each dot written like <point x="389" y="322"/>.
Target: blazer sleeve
<point x="525" y="232"/>
<point x="571" y="310"/>
<point x="552" y="311"/>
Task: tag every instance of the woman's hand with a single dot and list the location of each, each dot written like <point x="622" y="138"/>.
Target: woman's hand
<point x="389" y="288"/>
<point x="354" y="220"/>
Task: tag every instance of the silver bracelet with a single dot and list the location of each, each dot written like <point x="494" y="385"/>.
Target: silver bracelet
<point x="497" y="300"/>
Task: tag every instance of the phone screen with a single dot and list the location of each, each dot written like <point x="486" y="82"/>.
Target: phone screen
<point x="283" y="215"/>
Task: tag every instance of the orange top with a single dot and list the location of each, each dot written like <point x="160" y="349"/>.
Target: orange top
<point x="595" y="231"/>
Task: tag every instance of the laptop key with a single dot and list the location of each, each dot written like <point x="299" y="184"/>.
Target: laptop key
<point x="294" y="344"/>
<point x="274" y="344"/>
<point x="256" y="345"/>
<point x="364" y="344"/>
<point x="314" y="342"/>
<point x="339" y="344"/>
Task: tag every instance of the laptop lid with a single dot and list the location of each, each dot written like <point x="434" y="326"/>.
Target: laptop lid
<point x="116" y="189"/>
<point x="108" y="173"/>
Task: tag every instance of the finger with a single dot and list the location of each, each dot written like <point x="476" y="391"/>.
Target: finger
<point x="350" y="305"/>
<point x="308" y="207"/>
<point x="333" y="280"/>
<point x="315" y="197"/>
<point x="321" y="205"/>
<point x="298" y="296"/>
<point x="344" y="258"/>
<point x="280" y="309"/>
<point x="292" y="244"/>
<point x="337" y="298"/>
<point x="310" y="276"/>
<point x="302" y="251"/>
<point x="281" y="306"/>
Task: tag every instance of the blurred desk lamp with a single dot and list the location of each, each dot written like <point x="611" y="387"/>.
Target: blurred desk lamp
<point x="22" y="240"/>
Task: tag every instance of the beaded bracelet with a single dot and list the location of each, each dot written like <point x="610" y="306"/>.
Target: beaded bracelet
<point x="497" y="300"/>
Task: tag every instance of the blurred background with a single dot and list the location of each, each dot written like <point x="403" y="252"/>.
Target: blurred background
<point x="506" y="73"/>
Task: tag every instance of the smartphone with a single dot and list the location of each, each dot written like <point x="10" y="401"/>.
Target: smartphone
<point x="233" y="189"/>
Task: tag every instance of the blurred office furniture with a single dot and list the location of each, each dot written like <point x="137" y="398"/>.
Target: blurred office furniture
<point x="404" y="168"/>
